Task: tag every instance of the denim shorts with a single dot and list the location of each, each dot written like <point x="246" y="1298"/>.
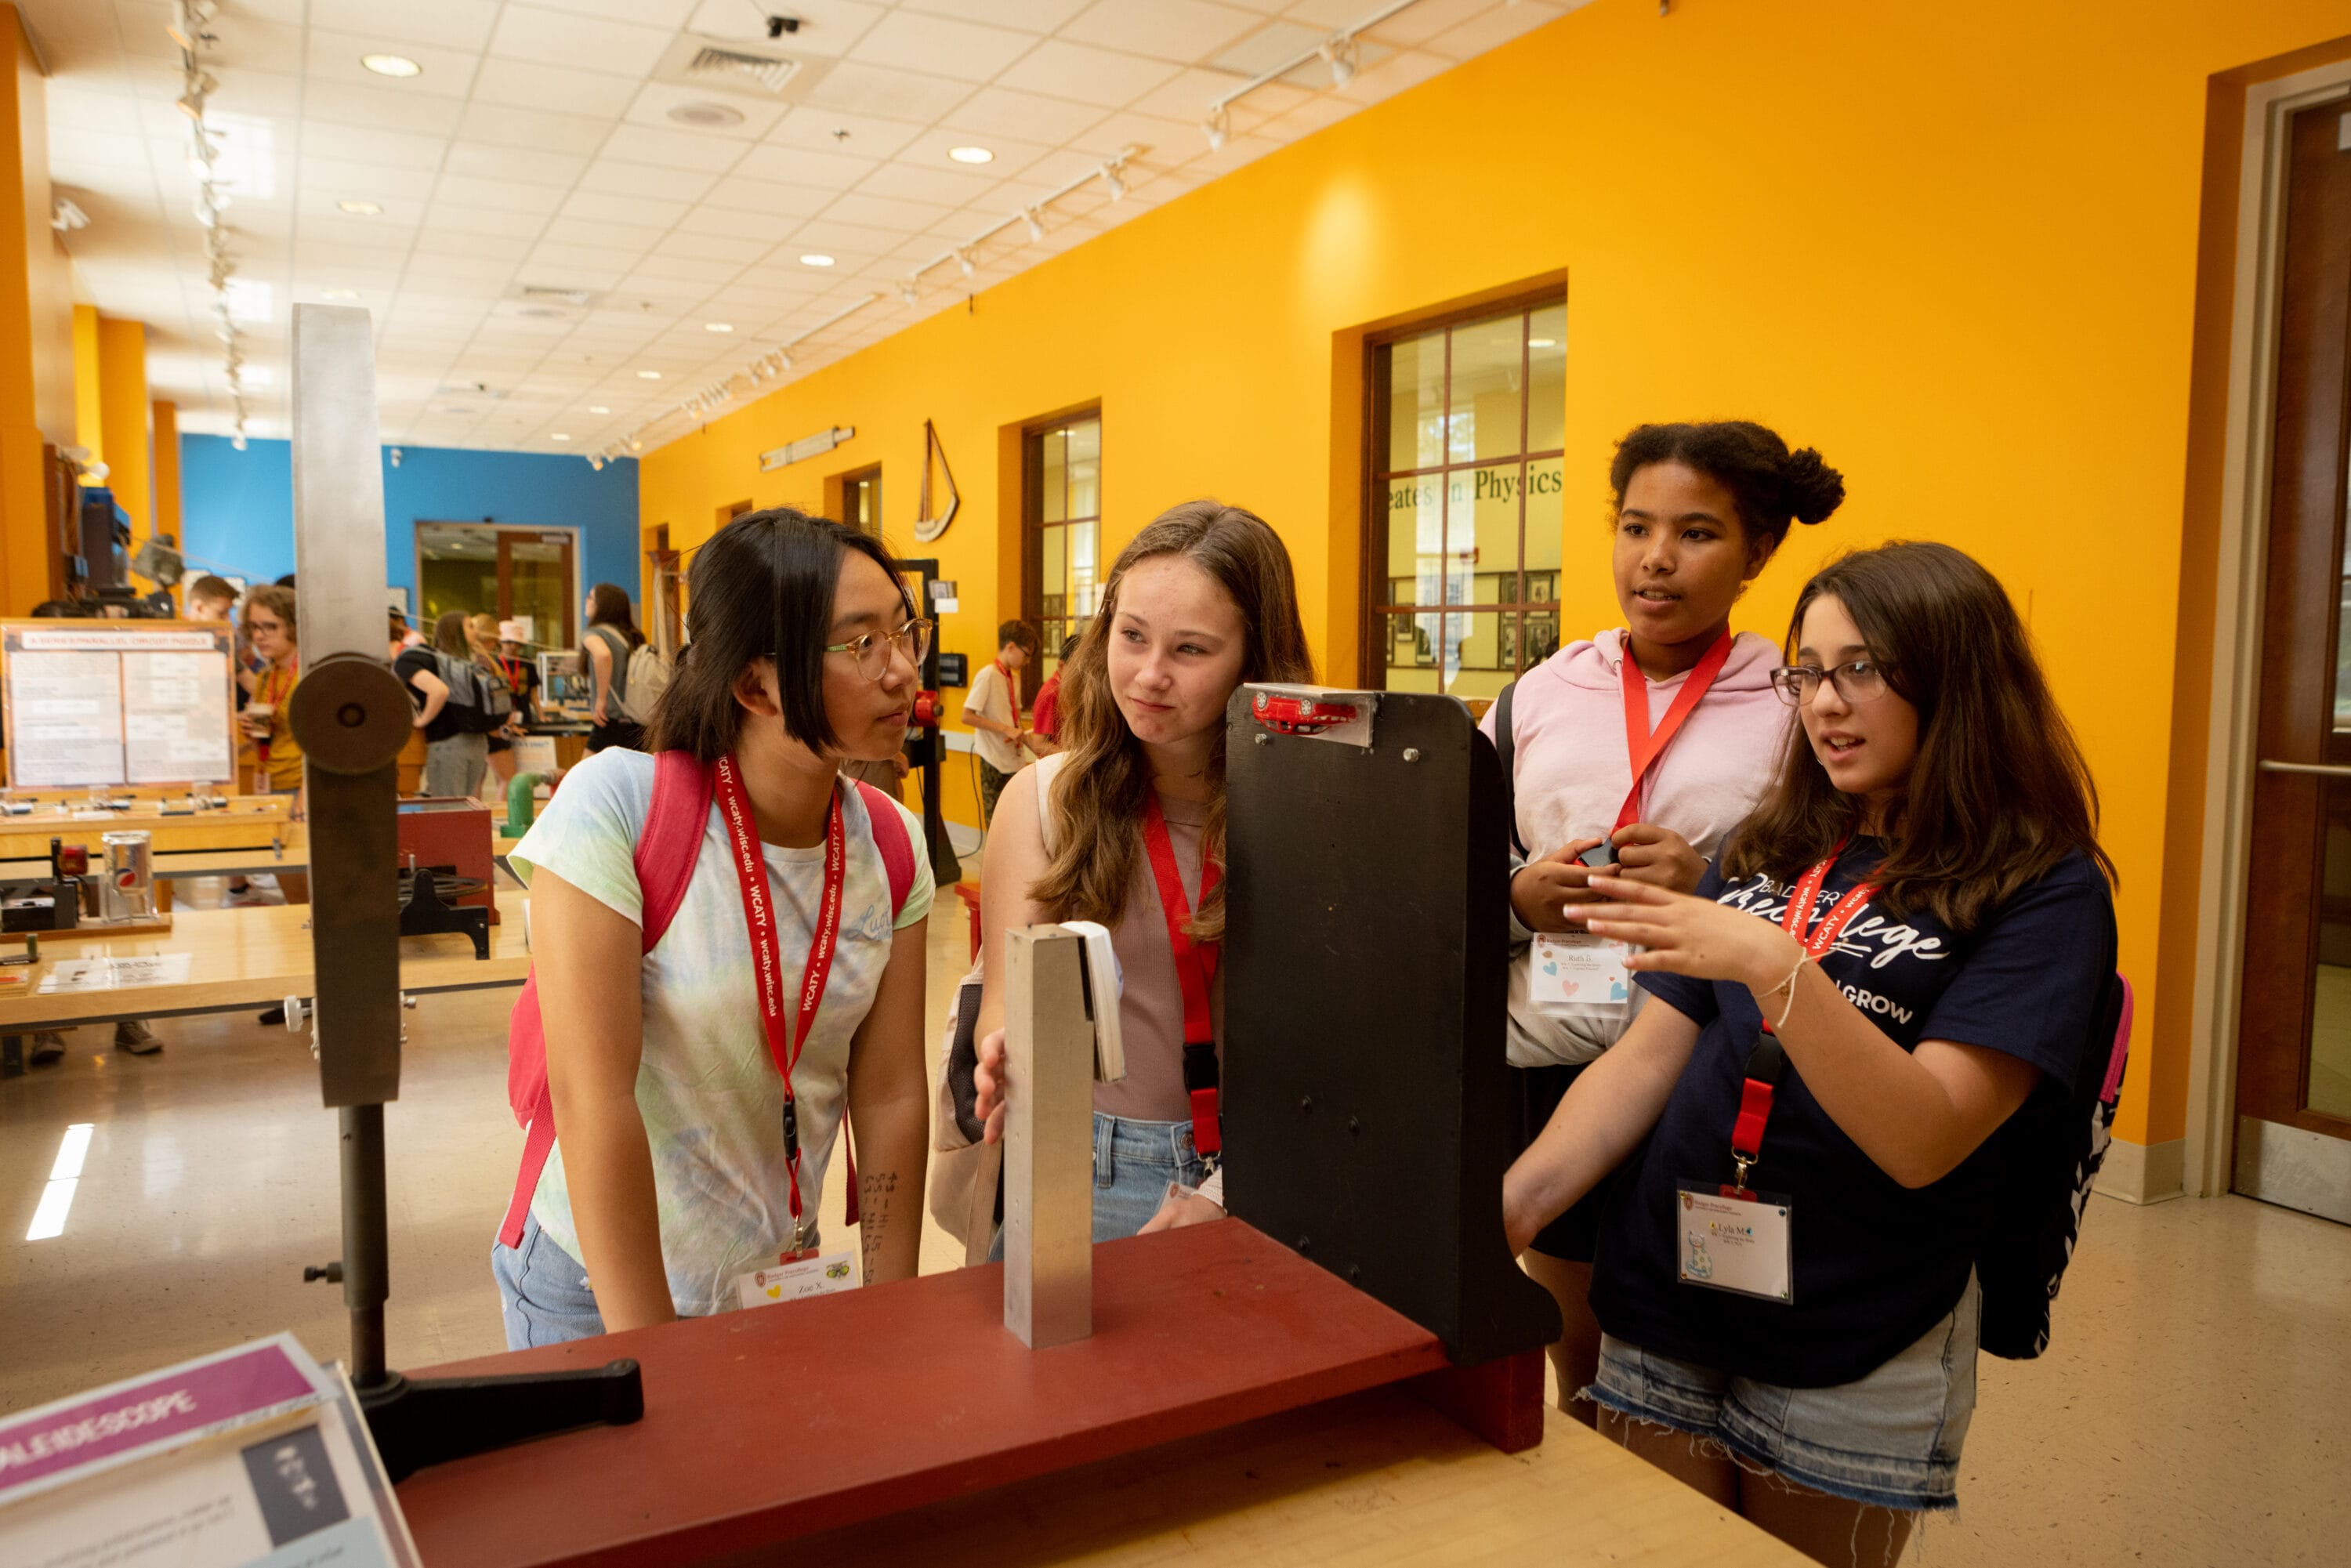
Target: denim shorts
<point x="1890" y="1439"/>
<point x="544" y="1292"/>
<point x="1134" y="1162"/>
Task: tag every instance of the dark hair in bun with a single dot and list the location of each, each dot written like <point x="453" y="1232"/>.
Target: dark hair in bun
<point x="1772" y="487"/>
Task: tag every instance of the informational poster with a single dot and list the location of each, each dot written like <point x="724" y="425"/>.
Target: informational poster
<point x="118" y="702"/>
<point x="253" y="1456"/>
<point x="113" y="973"/>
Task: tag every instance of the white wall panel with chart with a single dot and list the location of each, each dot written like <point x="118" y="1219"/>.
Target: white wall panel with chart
<point x="118" y="702"/>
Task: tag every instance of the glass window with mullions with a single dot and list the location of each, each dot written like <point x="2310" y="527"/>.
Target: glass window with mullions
<point x="1467" y="425"/>
<point x="1065" y="534"/>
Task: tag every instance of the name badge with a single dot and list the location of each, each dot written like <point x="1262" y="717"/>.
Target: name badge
<point x="1579" y="975"/>
<point x="1739" y="1244"/>
<point x="796" y="1281"/>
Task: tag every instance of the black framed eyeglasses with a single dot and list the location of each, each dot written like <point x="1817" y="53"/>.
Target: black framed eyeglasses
<point x="1857" y="682"/>
<point x="871" y="651"/>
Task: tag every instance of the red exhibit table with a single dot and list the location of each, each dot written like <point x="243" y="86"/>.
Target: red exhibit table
<point x="772" y="1424"/>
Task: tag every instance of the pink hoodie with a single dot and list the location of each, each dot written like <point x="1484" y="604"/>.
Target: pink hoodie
<point x="1573" y="774"/>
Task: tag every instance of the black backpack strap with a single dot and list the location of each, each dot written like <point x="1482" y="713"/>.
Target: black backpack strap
<point x="1507" y="744"/>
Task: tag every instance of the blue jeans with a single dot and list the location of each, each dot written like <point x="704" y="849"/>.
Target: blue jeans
<point x="544" y="1292"/>
<point x="1890" y="1439"/>
<point x="1134" y="1162"/>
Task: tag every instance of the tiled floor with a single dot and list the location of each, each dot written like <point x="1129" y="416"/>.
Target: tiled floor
<point x="2189" y="1411"/>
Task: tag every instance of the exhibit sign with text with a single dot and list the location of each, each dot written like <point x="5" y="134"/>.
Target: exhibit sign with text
<point x="252" y="1456"/>
<point x="118" y="702"/>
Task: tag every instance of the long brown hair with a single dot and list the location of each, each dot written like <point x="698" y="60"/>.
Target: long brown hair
<point x="607" y="605"/>
<point x="1102" y="790"/>
<point x="1997" y="793"/>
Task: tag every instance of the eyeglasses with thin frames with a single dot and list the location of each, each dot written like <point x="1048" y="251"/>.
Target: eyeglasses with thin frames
<point x="871" y="651"/>
<point x="1857" y="682"/>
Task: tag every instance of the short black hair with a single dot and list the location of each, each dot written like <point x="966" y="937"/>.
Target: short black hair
<point x="1018" y="632"/>
<point x="1771" y="486"/>
<point x="761" y="587"/>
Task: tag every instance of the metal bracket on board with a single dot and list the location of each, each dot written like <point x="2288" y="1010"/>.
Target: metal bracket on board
<point x="1315" y="713"/>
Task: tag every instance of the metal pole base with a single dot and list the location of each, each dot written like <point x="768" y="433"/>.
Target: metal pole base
<point x="429" y="1421"/>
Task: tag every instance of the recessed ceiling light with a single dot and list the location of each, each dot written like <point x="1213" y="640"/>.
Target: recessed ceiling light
<point x="559" y="436"/>
<point x="598" y="408"/>
<point x="391" y="65"/>
<point x="339" y="294"/>
<point x="816" y="259"/>
<point x="719" y="326"/>
<point x="971" y="155"/>
<point x="361" y="209"/>
<point x="648" y="375"/>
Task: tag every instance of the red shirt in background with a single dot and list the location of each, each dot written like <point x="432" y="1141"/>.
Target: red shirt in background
<point x="1047" y="711"/>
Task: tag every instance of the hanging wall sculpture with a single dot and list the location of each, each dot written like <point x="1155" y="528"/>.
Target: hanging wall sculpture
<point x="929" y="524"/>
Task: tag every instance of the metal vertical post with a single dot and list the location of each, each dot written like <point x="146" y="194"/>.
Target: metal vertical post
<point x="1048" y="1189"/>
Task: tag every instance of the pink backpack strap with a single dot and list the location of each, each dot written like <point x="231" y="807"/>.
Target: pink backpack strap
<point x="891" y="837"/>
<point x="2111" y="1090"/>
<point x="667" y="851"/>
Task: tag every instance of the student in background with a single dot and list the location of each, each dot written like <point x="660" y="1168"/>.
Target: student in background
<point x="1905" y="943"/>
<point x="1045" y="718"/>
<point x="482" y="633"/>
<point x="211" y="598"/>
<point x="454" y="761"/>
<point x="1701" y="511"/>
<point x="520" y="669"/>
<point x="611" y="636"/>
<point x="1126" y="826"/>
<point x="672" y="1176"/>
<point x="992" y="708"/>
<point x="269" y="627"/>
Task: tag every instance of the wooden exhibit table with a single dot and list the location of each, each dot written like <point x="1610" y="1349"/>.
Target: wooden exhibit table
<point x="252" y="957"/>
<point x="248" y="822"/>
<point x="842" y="1412"/>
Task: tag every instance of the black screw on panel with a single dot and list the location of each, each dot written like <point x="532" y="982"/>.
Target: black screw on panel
<point x="1355" y="1126"/>
<point x="1306" y="1102"/>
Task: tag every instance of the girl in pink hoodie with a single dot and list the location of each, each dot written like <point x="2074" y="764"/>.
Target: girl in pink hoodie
<point x="1700" y="509"/>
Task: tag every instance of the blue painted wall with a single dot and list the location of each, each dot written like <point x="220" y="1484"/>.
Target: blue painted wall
<point x="237" y="507"/>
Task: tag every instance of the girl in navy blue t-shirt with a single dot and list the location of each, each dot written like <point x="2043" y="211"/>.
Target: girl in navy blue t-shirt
<point x="1905" y="943"/>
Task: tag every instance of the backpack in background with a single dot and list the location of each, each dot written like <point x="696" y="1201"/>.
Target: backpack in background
<point x="479" y="699"/>
<point x="648" y="679"/>
<point x="2038" y="1215"/>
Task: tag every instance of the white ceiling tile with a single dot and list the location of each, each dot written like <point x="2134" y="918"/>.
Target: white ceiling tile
<point x="1168" y="140"/>
<point x="672" y="148"/>
<point x="930" y="150"/>
<point x="604" y="232"/>
<point x="1491" y="28"/>
<point x="385" y="108"/>
<point x="527" y="164"/>
<point x="582" y="43"/>
<point x="828" y="28"/>
<point x="939" y="45"/>
<point x="839" y="240"/>
<point x="688" y="268"/>
<point x="644" y="179"/>
<point x="886" y="213"/>
<point x="885" y="93"/>
<point x="943" y="187"/>
<point x="274" y="94"/>
<point x="471" y="191"/>
<point x="362" y="182"/>
<point x="1061" y="70"/>
<point x="1188" y="95"/>
<point x="500" y="125"/>
<point x="804" y="166"/>
<point x="434" y="240"/>
<point x="821" y="130"/>
<point x="594" y="206"/>
<point x="760" y="220"/>
<point x="1181" y="30"/>
<point x="1033" y="16"/>
<point x="655" y="99"/>
<point x="457" y="217"/>
<point x="333" y="60"/>
<point x="448" y="24"/>
<point x="1025" y="116"/>
<point x="739" y="249"/>
<point x="665" y="13"/>
<point x="555" y="89"/>
<point x="1394" y="75"/>
<point x="383" y="149"/>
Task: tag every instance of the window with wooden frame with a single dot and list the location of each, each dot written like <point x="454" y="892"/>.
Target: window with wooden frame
<point x="1462" y="514"/>
<point x="1061" y="547"/>
<point x="861" y="500"/>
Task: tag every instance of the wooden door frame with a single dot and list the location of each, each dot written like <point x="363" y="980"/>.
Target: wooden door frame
<point x="2208" y="1160"/>
<point x="577" y="555"/>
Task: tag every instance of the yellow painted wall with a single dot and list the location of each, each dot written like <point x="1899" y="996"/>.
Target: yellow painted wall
<point x="127" y="415"/>
<point x="37" y="366"/>
<point x="1954" y="247"/>
<point x="89" y="421"/>
<point x="165" y="426"/>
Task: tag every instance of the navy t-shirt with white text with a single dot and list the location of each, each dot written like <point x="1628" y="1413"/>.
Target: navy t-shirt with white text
<point x="1876" y="1264"/>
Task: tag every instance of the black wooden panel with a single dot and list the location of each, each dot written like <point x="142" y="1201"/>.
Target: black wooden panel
<point x="1365" y="966"/>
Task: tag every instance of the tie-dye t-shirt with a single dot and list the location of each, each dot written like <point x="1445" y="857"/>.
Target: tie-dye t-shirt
<point x="712" y="1103"/>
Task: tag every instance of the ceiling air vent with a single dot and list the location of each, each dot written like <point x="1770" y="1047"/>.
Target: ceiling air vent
<point x="542" y="294"/>
<point x="706" y="116"/>
<point x="754" y="68"/>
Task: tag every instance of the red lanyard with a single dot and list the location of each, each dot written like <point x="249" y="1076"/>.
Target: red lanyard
<point x="1196" y="966"/>
<point x="767" y="958"/>
<point x="1767" y="1058"/>
<point x="1641" y="745"/>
